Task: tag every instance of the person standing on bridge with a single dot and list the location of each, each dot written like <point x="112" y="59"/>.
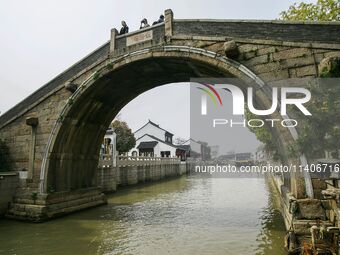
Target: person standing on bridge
<point x="160" y="20"/>
<point x="124" y="29"/>
<point x="144" y="23"/>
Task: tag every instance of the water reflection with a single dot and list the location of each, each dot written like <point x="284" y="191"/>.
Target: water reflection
<point x="189" y="215"/>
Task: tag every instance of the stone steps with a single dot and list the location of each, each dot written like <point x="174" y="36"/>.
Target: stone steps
<point x="26" y="212"/>
<point x="78" y="207"/>
<point x="28" y="201"/>
<point x="75" y="202"/>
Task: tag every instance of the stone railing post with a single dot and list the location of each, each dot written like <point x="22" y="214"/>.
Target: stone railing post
<point x="168" y="20"/>
<point x="114" y="34"/>
<point x="33" y="122"/>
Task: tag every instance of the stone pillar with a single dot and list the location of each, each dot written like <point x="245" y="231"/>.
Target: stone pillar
<point x="168" y="19"/>
<point x="114" y="33"/>
<point x="33" y="122"/>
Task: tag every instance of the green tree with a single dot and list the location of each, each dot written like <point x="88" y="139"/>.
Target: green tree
<point x="321" y="131"/>
<point x="125" y="139"/>
<point x="179" y="141"/>
<point x="322" y="10"/>
<point x="263" y="135"/>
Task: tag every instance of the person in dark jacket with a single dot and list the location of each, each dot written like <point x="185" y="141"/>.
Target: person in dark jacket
<point x="160" y="20"/>
<point x="124" y="29"/>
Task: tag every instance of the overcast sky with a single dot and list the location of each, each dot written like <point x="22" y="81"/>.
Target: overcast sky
<point x="40" y="39"/>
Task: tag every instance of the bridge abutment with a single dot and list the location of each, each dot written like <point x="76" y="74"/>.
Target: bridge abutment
<point x="31" y="206"/>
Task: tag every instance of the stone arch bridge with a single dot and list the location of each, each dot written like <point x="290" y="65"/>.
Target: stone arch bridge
<point x="56" y="132"/>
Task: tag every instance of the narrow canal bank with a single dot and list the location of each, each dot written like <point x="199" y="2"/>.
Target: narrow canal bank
<point x="187" y="215"/>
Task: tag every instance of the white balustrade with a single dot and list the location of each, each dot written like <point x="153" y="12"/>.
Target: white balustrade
<point x="107" y="160"/>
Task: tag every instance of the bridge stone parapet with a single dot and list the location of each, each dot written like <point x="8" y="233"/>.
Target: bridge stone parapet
<point x="249" y="30"/>
<point x="143" y="38"/>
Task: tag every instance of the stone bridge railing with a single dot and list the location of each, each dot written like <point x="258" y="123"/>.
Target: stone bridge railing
<point x="265" y="31"/>
<point x="108" y="161"/>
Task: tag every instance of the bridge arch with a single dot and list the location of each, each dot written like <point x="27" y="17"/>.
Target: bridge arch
<point x="71" y="155"/>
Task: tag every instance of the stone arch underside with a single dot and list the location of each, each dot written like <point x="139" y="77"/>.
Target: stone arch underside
<point x="71" y="157"/>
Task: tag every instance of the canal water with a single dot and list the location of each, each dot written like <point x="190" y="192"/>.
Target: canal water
<point x="187" y="215"/>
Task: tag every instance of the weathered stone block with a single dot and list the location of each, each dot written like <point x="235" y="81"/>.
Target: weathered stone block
<point x="310" y="209"/>
<point x="297" y="62"/>
<point x="305" y="71"/>
<point x="274" y="76"/>
<point x="265" y="68"/>
<point x="291" y="53"/>
<point x="270" y="49"/>
<point x="257" y="60"/>
<point x="248" y="47"/>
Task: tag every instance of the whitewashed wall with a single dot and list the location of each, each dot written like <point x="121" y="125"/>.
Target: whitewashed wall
<point x="158" y="148"/>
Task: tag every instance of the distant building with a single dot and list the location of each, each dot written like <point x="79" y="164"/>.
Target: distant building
<point x="237" y="156"/>
<point x="214" y="151"/>
<point x="192" y="148"/>
<point x="154" y="141"/>
<point x="243" y="156"/>
<point x="228" y="157"/>
<point x="196" y="149"/>
<point x="205" y="151"/>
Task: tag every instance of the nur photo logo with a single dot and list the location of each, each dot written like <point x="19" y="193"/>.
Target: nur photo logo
<point x="281" y="98"/>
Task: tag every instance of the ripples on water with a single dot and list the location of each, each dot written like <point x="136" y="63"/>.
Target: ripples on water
<point x="188" y="215"/>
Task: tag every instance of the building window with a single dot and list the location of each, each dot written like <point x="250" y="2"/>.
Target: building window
<point x="168" y="139"/>
<point x="165" y="154"/>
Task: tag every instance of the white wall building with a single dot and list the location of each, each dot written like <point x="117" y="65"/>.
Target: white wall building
<point x="194" y="147"/>
<point x="154" y="141"/>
